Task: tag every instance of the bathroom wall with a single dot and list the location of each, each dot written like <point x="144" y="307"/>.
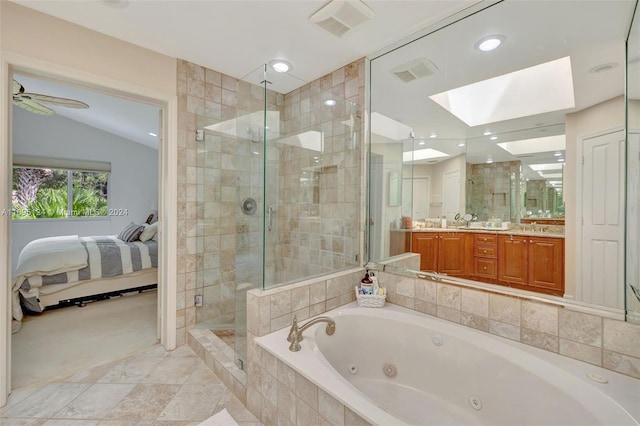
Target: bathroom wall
<point x="319" y="200"/>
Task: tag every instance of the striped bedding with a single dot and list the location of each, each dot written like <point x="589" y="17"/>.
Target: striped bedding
<point x="108" y="256"/>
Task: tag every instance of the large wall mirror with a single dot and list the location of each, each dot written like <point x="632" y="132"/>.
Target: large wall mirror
<point x="499" y="135"/>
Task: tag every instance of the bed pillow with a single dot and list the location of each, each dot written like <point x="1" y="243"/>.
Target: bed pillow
<point x="149" y="232"/>
<point x="131" y="232"/>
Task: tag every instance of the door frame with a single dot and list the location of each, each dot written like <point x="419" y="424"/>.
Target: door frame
<point x="167" y="191"/>
<point x="579" y="213"/>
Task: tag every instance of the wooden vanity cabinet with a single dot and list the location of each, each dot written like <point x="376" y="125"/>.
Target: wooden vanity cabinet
<point x="513" y="259"/>
<point x="546" y="265"/>
<point x="453" y="255"/>
<point x="485" y="257"/>
<point x="426" y="244"/>
<point x="532" y="263"/>
<point x="443" y="252"/>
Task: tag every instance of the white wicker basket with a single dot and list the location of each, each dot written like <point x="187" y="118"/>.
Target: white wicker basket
<point x="371" y="300"/>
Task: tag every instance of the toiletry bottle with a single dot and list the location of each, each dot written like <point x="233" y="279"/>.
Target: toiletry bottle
<point x="374" y="281"/>
<point x="366" y="284"/>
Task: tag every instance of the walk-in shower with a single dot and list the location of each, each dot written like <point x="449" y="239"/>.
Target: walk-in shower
<point x="277" y="189"/>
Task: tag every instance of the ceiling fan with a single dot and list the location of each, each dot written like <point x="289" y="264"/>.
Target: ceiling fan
<point x="33" y="101"/>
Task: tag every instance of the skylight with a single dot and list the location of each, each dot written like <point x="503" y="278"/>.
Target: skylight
<point x="422" y="154"/>
<point x="547" y="166"/>
<point x="535" y="90"/>
<point x="531" y="146"/>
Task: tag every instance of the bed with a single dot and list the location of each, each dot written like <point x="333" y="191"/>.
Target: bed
<point x="65" y="268"/>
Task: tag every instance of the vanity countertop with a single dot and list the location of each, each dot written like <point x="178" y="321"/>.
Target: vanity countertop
<point x="513" y="231"/>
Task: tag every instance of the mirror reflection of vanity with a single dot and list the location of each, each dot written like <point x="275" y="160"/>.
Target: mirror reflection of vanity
<point x="501" y="134"/>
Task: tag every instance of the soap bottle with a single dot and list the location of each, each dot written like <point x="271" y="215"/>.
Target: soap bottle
<point x="366" y="285"/>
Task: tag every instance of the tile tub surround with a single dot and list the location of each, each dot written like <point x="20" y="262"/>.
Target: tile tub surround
<point x="605" y="342"/>
<point x="274" y="392"/>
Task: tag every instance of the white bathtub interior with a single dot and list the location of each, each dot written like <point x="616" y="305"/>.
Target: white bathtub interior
<point x="451" y="374"/>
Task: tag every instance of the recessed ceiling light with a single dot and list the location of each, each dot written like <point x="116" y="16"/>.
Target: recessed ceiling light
<point x="489" y="43"/>
<point x="421" y="143"/>
<point x="280" y="65"/>
<point x="487" y="133"/>
<point x="433" y="135"/>
<point x="603" y="67"/>
<point x="489" y="161"/>
<point x="461" y="144"/>
<point x="329" y="102"/>
<point x="561" y="160"/>
<point x="153" y="134"/>
<point x="557" y="154"/>
<point x="493" y="138"/>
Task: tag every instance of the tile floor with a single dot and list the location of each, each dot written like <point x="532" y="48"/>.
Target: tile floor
<point x="153" y="387"/>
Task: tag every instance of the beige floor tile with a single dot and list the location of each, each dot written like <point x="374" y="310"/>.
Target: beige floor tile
<point x="131" y="370"/>
<point x="96" y="402"/>
<point x="48" y="400"/>
<point x="173" y="371"/>
<point x="145" y="402"/>
<point x="194" y="402"/>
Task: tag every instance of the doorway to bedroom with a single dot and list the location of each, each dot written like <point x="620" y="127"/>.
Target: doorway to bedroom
<point x="85" y="171"/>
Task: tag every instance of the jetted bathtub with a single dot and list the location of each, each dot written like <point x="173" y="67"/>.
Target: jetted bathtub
<point x="394" y="366"/>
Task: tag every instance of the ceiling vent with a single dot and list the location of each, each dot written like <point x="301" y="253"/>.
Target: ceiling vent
<point x="340" y="16"/>
<point x="418" y="68"/>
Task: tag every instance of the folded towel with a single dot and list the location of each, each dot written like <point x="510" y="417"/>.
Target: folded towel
<point x="221" y="418"/>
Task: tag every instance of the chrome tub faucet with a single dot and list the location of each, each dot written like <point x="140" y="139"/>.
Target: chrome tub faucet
<point x="295" y="333"/>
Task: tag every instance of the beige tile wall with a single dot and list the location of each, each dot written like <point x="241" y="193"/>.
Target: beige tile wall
<point x="275" y="393"/>
<point x="213" y="175"/>
<point x="319" y="194"/>
<point x="605" y="342"/>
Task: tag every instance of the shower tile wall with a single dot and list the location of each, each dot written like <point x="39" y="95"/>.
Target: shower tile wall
<point x="491" y="194"/>
<point x="319" y="191"/>
<point x="212" y="175"/>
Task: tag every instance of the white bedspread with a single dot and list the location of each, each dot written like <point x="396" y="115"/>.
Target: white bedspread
<point x="50" y="255"/>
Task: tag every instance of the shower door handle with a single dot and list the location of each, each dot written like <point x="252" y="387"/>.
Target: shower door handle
<point x="269" y="212"/>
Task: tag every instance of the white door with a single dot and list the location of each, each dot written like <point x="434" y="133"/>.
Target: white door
<point x="451" y="198"/>
<point x="421" y="196"/>
<point x="602" y="246"/>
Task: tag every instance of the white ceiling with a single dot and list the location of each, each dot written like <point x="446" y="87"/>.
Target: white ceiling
<point x="237" y="36"/>
<point x="234" y="37"/>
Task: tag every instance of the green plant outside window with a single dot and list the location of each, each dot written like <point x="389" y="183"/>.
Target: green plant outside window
<point x="43" y="193"/>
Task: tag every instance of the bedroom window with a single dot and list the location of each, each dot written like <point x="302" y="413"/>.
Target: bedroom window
<point x="58" y="193"/>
